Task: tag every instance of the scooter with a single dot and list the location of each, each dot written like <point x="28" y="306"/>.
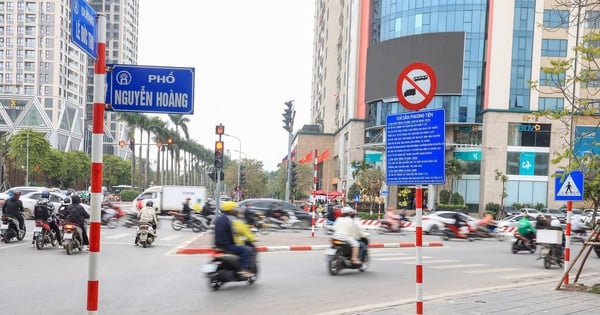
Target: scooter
<point x="452" y="231"/>
<point x="145" y="235"/>
<point x="552" y="254"/>
<point x="395" y="226"/>
<point x="196" y="223"/>
<point x="224" y="267"/>
<point x="72" y="237"/>
<point x="111" y="216"/>
<point x="43" y="234"/>
<point x="521" y="243"/>
<point x="9" y="229"/>
<point x="339" y="257"/>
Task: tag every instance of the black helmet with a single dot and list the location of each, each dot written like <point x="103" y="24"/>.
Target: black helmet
<point x="149" y="203"/>
<point x="67" y="201"/>
<point x="76" y="199"/>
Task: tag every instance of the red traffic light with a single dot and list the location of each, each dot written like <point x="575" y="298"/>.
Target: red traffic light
<point x="220" y="129"/>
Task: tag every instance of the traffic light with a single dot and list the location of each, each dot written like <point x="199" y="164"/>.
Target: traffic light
<point x="169" y="142"/>
<point x="132" y="143"/>
<point x="242" y="179"/>
<point x="213" y="176"/>
<point x="288" y="114"/>
<point x="219" y="147"/>
<point x="293" y="175"/>
<point x="220" y="129"/>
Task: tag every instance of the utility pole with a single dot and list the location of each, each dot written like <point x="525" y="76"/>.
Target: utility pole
<point x="288" y="114"/>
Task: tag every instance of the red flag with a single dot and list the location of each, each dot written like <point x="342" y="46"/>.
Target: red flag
<point x="307" y="158"/>
<point x="324" y="156"/>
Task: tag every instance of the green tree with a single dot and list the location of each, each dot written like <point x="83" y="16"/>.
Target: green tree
<point x="29" y="149"/>
<point x="455" y="169"/>
<point x="370" y="182"/>
<point x="115" y="170"/>
<point x="502" y="178"/>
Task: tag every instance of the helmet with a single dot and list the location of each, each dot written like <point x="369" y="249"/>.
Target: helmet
<point x="228" y="205"/>
<point x="347" y="210"/>
<point x="67" y="201"/>
<point x="149" y="203"/>
<point x="45" y="194"/>
<point x="555" y="223"/>
<point x="17" y="192"/>
<point x="75" y="199"/>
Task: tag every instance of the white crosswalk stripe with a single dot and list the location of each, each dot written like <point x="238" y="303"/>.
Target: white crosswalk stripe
<point x="119" y="235"/>
<point x="489" y="271"/>
<point x="458" y="266"/>
<point x="169" y="238"/>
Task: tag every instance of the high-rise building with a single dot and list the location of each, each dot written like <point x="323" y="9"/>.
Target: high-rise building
<point x="485" y="54"/>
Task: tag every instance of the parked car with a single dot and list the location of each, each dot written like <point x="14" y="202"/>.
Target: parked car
<point x="433" y="223"/>
<point x="267" y="204"/>
<point x="513" y="221"/>
<point x="23" y="190"/>
<point x="561" y="216"/>
<point x="510" y="210"/>
<point x="530" y="211"/>
<point x="30" y="199"/>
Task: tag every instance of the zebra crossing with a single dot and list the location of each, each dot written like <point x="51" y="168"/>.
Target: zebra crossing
<point x="454" y="265"/>
<point x="122" y="237"/>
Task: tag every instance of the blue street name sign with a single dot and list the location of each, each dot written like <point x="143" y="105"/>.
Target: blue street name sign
<point x="415" y="148"/>
<point x="150" y="89"/>
<point x="83" y="27"/>
<point x="568" y="187"/>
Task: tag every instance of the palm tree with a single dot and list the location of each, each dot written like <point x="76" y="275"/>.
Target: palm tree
<point x="155" y="124"/>
<point x="132" y="120"/>
<point x="180" y="121"/>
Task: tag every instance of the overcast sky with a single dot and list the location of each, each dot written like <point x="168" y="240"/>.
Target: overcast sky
<point x="249" y="58"/>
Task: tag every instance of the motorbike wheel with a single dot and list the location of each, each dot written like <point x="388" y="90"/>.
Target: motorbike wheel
<point x="145" y="244"/>
<point x="70" y="248"/>
<point x="547" y="262"/>
<point x="177" y="224"/>
<point x="112" y="223"/>
<point x="215" y="284"/>
<point x="40" y="240"/>
<point x="334" y="265"/>
<point x="434" y="230"/>
<point x="196" y="227"/>
<point x="20" y="236"/>
<point x="382" y="229"/>
<point x="445" y="235"/>
<point x="532" y="250"/>
<point x="365" y="263"/>
<point x="515" y="248"/>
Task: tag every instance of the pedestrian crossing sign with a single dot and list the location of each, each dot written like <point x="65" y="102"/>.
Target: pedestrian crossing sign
<point x="569" y="187"/>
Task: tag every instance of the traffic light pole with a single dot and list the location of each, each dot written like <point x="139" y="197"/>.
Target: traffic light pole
<point x="288" y="168"/>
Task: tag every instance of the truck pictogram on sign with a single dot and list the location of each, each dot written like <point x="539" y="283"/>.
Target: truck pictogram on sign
<point x="416" y="86"/>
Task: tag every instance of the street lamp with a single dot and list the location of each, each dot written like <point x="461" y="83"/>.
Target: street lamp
<point x="27" y="162"/>
<point x="240" y="157"/>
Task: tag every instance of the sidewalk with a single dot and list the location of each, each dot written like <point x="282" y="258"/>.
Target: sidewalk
<point x="301" y="240"/>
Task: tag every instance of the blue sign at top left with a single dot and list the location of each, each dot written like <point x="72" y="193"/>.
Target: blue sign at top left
<point x="150" y="89"/>
<point x="83" y="27"/>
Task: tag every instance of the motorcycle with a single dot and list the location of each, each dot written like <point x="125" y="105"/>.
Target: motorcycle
<point x="72" y="237"/>
<point x="394" y="226"/>
<point x="339" y="257"/>
<point x="279" y="221"/>
<point x="111" y="216"/>
<point x="9" y="229"/>
<point x="131" y="219"/>
<point x="224" y="267"/>
<point x="43" y="234"/>
<point x="145" y="234"/>
<point x="552" y="254"/>
<point x="196" y="223"/>
<point x="329" y="229"/>
<point x="520" y="243"/>
<point x="466" y="232"/>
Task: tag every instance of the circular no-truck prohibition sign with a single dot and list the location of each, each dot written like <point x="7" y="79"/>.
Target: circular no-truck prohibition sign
<point x="416" y="86"/>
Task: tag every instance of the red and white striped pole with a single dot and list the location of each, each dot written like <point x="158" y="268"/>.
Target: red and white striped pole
<point x="419" y="247"/>
<point x="96" y="175"/>
<point x="314" y="205"/>
<point x="568" y="241"/>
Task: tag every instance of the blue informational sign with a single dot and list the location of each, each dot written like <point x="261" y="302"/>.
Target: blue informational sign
<point x="415" y="148"/>
<point x="149" y="89"/>
<point x="527" y="163"/>
<point x="83" y="27"/>
<point x="569" y="187"/>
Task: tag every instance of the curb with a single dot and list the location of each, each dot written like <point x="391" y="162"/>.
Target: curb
<point x="206" y="250"/>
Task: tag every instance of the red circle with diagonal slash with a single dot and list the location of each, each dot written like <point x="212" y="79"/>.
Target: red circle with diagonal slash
<point x="416" y="86"/>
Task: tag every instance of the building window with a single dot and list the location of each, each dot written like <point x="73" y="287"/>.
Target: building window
<point x="556" y="18"/>
<point x="529" y="135"/>
<point x="592" y="19"/>
<point x="527" y="163"/>
<point x="550" y="79"/>
<point x="554" y="47"/>
<point x="551" y="103"/>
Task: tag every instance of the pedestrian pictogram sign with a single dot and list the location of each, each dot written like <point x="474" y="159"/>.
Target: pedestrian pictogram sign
<point x="416" y="86"/>
<point x="569" y="187"/>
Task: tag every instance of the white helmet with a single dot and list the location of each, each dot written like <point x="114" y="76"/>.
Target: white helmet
<point x="347" y="210"/>
<point x="555" y="223"/>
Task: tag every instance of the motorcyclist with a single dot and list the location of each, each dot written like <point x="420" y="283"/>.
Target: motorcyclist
<point x="76" y="214"/>
<point x="44" y="210"/>
<point x="347" y="230"/>
<point x="231" y="234"/>
<point x="62" y="210"/>
<point x="541" y="222"/>
<point x="459" y="222"/>
<point x="526" y="229"/>
<point x="578" y="226"/>
<point x="13" y="207"/>
<point x="147" y="215"/>
<point x="187" y="210"/>
<point x="392" y="218"/>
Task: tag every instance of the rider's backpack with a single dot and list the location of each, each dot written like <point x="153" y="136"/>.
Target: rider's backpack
<point x="41" y="212"/>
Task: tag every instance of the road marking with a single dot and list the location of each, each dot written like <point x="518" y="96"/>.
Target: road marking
<point x="496" y="270"/>
<point x="169" y="238"/>
<point x="399" y="258"/>
<point x="458" y="266"/>
<point x="385" y="254"/>
<point x="119" y="235"/>
<point x="439" y="261"/>
<point x="528" y="275"/>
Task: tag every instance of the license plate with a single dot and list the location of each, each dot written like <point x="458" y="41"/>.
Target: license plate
<point x="208" y="268"/>
<point x="143" y="237"/>
<point x="330" y="251"/>
<point x="37" y="229"/>
<point x="68" y="236"/>
<point x="4" y="227"/>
